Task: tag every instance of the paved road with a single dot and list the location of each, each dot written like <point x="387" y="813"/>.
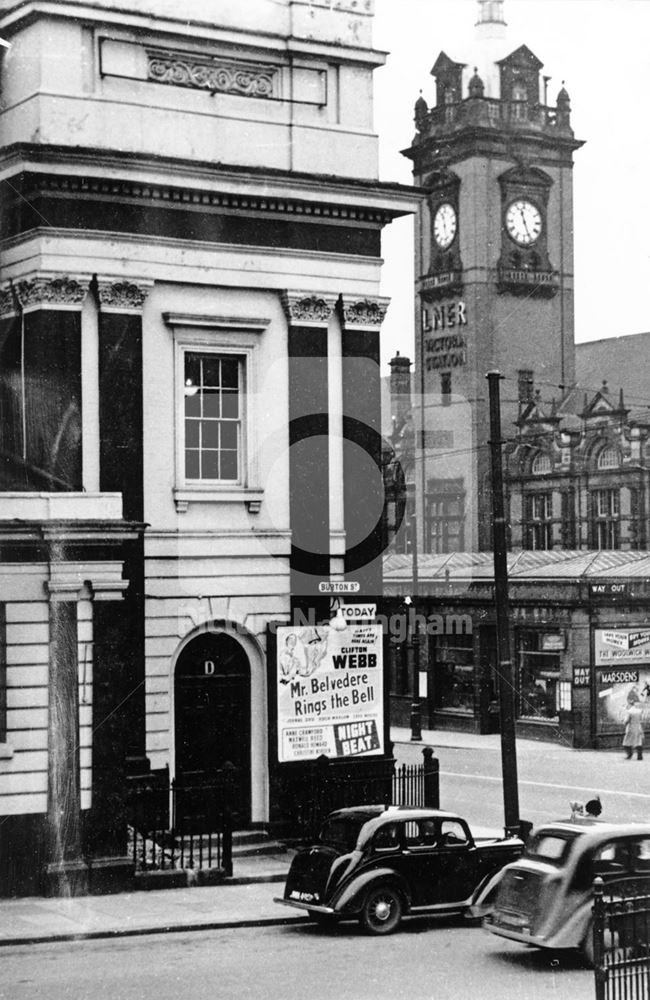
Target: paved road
<point x="428" y="960"/>
<point x="550" y="777"/>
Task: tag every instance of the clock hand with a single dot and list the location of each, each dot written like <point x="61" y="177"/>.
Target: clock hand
<point x="524" y="220"/>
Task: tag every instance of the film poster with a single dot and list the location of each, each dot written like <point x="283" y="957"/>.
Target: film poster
<point x="330" y="692"/>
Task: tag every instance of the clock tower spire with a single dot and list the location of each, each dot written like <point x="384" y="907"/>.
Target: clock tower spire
<point x="494" y="265"/>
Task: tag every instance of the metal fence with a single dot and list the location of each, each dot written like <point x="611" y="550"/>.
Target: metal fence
<point x="334" y="784"/>
<point x="417" y="784"/>
<point x="182" y="824"/>
<point x="621" y="942"/>
<point x="176" y="825"/>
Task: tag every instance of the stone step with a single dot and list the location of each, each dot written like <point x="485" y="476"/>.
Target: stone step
<point x="246" y="844"/>
<point x="250" y="837"/>
<point x="255" y="843"/>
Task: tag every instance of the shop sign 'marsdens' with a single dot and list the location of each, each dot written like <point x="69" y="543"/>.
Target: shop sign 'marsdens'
<point x="330" y="691"/>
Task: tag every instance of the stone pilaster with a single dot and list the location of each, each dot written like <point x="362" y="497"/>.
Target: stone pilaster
<point x="66" y="871"/>
<point x="121" y="302"/>
<point x="363" y="487"/>
<point x="111" y="870"/>
<point x="308" y="316"/>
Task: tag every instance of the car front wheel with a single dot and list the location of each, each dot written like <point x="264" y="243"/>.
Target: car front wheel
<point x="382" y="910"/>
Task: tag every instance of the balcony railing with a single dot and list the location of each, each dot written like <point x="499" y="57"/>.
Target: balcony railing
<point x="489" y="111"/>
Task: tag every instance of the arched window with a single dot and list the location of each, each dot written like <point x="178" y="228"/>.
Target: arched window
<point x="609" y="458"/>
<point x="541" y="464"/>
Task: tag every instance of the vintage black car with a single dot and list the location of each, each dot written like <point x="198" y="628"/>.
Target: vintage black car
<point x="377" y="863"/>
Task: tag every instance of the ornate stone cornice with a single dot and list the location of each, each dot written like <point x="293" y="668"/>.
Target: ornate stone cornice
<point x="166" y="194"/>
<point x="60" y="292"/>
<point x="179" y="69"/>
<point x="368" y="313"/>
<point x="122" y="296"/>
<point x="308" y="309"/>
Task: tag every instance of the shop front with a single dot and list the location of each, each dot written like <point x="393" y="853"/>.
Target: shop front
<point x="579" y="634"/>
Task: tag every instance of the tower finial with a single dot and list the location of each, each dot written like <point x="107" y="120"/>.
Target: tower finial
<point x="491" y="12"/>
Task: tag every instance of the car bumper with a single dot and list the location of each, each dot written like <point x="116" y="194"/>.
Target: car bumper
<point x="519" y="931"/>
<point x="298" y="904"/>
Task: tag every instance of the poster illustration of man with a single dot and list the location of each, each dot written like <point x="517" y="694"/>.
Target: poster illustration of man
<point x="288" y="662"/>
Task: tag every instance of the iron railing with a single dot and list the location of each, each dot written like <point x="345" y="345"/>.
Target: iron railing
<point x="417" y="784"/>
<point x="176" y="825"/>
<point x="621" y="941"/>
<point x="183" y="824"/>
<point x="334" y="784"/>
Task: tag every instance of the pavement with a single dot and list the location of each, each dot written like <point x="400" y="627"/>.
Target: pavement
<point x="243" y="901"/>
<point x="246" y="900"/>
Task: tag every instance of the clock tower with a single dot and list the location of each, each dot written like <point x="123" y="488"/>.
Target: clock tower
<point x="493" y="265"/>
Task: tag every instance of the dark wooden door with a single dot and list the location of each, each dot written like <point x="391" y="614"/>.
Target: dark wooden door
<point x="212" y="716"/>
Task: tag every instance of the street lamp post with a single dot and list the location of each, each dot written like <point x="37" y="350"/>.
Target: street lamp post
<point x="414" y="636"/>
<point x="505" y="672"/>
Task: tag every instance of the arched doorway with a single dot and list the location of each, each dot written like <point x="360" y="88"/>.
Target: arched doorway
<point x="212" y="715"/>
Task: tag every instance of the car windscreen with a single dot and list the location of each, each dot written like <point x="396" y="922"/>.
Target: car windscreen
<point x="550" y="846"/>
<point x="341" y="832"/>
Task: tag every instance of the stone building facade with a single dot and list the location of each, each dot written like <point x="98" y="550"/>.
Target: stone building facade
<point x="190" y="257"/>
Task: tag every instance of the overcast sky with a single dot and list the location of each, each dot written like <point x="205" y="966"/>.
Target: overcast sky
<point x="601" y="49"/>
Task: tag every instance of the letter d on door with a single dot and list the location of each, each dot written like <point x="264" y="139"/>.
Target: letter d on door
<point x="208" y="667"/>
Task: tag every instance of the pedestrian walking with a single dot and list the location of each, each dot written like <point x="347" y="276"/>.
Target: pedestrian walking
<point x="633" y="735"/>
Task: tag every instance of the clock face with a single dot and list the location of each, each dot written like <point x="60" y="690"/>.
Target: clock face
<point x="444" y="225"/>
<point x="523" y="222"/>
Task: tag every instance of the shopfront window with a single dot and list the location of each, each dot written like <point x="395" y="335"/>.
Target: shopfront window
<point x="453" y="658"/>
<point x="538" y="674"/>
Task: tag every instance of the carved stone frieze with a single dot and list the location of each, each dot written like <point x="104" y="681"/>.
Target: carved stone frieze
<point x="310" y="309"/>
<point x="8" y="301"/>
<point x="181" y="70"/>
<point x="47" y="291"/>
<point x="122" y="296"/>
<point x="363" y="312"/>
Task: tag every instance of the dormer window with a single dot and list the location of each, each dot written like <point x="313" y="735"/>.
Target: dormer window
<point x="609" y="458"/>
<point x="541" y="464"/>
